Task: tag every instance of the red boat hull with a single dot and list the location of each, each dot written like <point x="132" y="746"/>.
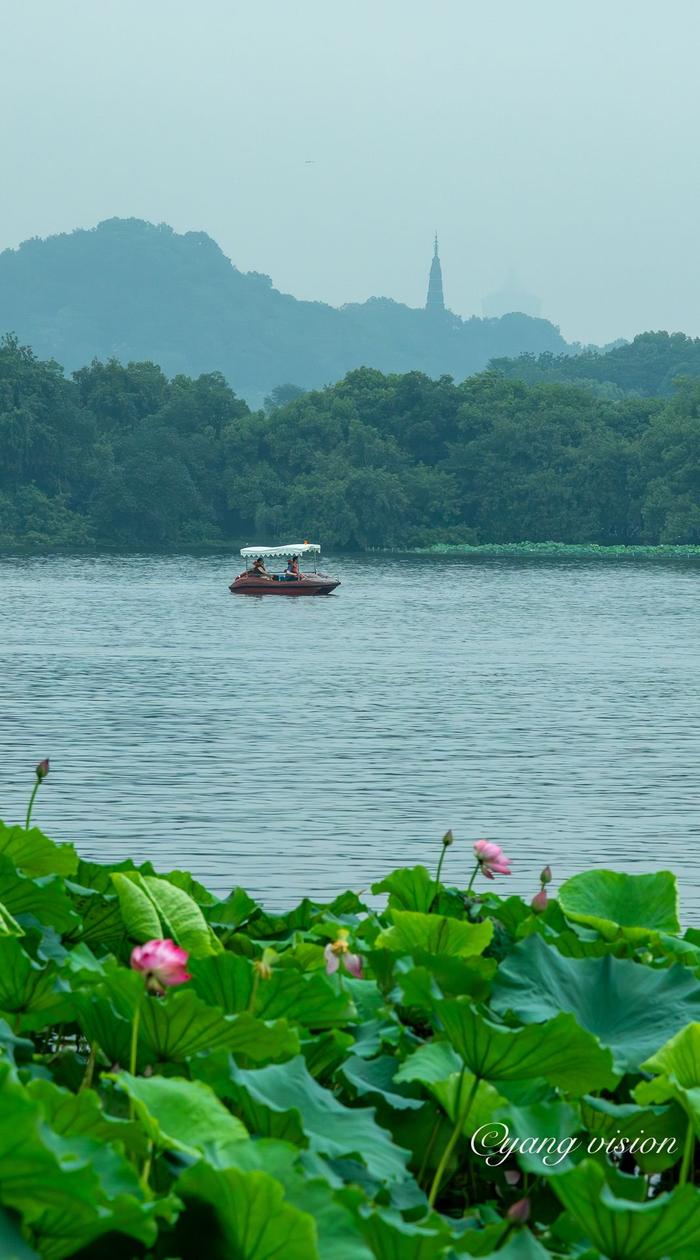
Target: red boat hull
<point x="311" y="584"/>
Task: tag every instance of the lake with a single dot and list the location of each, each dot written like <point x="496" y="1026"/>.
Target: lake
<point x="303" y="746"/>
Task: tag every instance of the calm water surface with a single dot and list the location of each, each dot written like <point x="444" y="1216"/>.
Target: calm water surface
<point x="303" y="746"/>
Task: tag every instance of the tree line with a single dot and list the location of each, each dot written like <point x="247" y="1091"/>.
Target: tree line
<point x="120" y="455"/>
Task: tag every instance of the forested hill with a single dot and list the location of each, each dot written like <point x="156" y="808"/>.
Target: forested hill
<point x="126" y="457"/>
<point x="135" y="291"/>
<point x="647" y="366"/>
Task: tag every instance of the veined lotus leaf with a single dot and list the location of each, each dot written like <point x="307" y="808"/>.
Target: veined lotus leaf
<point x="44" y="898"/>
<point x="325" y="1051"/>
<point x="559" y="1050"/>
<point x="437" y="1066"/>
<point x="153" y="908"/>
<point x="67" y="1190"/>
<point x="12" y="1244"/>
<point x="80" y="1115"/>
<point x="677" y="1074"/>
<point x="8" y="925"/>
<point x="34" y="854"/>
<point x="679" y="1057"/>
<point x="256" y="1222"/>
<point x="174" y="1028"/>
<point x="393" y="1238"/>
<point x="226" y="981"/>
<point x="370" y="1078"/>
<point x="659" y="1229"/>
<point x="611" y="902"/>
<point x="182" y="1115"/>
<point x="34" y="994"/>
<point x="630" y="1008"/>
<point x="285" y="1101"/>
<point x="434" y="934"/>
<point x="522" y="1245"/>
<point x="339" y="1236"/>
<point x="665" y="1125"/>
<point x="410" y="888"/>
<point x="546" y="1133"/>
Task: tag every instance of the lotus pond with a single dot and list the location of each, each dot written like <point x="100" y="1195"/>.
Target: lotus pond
<point x="457" y="1074"/>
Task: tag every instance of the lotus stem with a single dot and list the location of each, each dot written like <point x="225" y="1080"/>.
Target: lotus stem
<point x="688" y="1153"/>
<point x="134" y="1049"/>
<point x="462" y="1115"/>
<point x="439" y="865"/>
<point x="86" y="1082"/>
<point x="30" y="806"/>
<point x="474" y="875"/>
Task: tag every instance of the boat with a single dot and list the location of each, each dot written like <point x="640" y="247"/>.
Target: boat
<point x="253" y="583"/>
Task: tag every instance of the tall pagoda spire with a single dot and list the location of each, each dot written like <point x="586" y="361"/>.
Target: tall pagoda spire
<point x="435" y="301"/>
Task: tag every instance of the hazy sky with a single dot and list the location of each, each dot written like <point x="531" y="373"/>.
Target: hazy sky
<point x="323" y="141"/>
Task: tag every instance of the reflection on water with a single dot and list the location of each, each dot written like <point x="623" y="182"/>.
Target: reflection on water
<point x="301" y="746"/>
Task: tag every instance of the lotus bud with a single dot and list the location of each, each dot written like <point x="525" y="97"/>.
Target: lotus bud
<point x="546" y="876"/>
<point x="42" y="769"/>
<point x="519" y="1213"/>
<point x="539" y="901"/>
<point x="513" y="1176"/>
<point x="448" y="839"/>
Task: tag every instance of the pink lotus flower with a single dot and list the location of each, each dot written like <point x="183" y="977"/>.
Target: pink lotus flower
<point x="491" y="858"/>
<point x="339" y="950"/>
<point x="539" y="901"/>
<point x="519" y="1212"/>
<point x="163" y="964"/>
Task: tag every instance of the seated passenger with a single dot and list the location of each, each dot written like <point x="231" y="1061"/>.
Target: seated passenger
<point x="258" y="568"/>
<point x="291" y="572"/>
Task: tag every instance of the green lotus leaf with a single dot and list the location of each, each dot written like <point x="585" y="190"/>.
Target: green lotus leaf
<point x="337" y="1225"/>
<point x="611" y="902"/>
<point x="181" y="1115"/>
<point x="34" y="854"/>
<point x="153" y="908"/>
<point x="8" y="925"/>
<point x="437" y="1066"/>
<point x="12" y="1244"/>
<point x="80" y="1115"/>
<point x="393" y="1238"/>
<point x="659" y="1229"/>
<point x="610" y="1121"/>
<point x="44" y="898"/>
<point x="547" y="1134"/>
<point x="375" y="1078"/>
<point x="677" y="1074"/>
<point x="630" y="1008"/>
<point x="559" y="1050"/>
<point x="410" y="888"/>
<point x="16" y="1049"/>
<point x="434" y="934"/>
<point x="34" y="994"/>
<point x="521" y="1245"/>
<point x="285" y="1101"/>
<point x="174" y="1028"/>
<point x="141" y="919"/>
<point x="67" y="1190"/>
<point x="226" y="980"/>
<point x="255" y="1220"/>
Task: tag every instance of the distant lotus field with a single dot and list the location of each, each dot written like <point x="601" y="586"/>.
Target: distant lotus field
<point x="459" y="1073"/>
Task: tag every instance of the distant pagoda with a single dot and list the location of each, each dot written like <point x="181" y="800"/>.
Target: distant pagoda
<point x="435" y="301"/>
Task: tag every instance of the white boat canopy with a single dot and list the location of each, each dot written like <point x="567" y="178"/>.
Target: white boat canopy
<point x="289" y="549"/>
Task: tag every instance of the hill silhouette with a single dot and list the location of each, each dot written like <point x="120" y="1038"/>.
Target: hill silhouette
<point x="133" y="291"/>
<point x="647" y="367"/>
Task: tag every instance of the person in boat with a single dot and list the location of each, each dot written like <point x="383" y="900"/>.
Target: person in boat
<point x="291" y="572"/>
<point x="258" y="568"/>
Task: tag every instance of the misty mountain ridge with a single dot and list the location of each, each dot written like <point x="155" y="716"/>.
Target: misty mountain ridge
<point x="132" y="290"/>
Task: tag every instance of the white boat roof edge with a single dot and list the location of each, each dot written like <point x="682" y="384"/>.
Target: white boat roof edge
<point x="289" y="549"/>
